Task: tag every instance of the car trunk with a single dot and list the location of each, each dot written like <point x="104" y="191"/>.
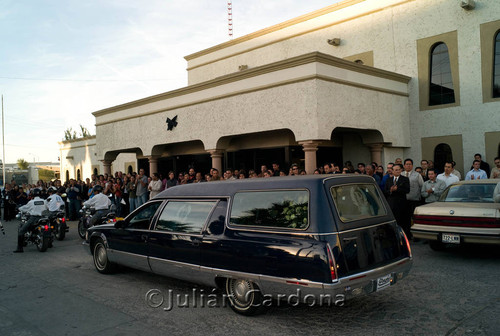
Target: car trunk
<point x="368" y="234"/>
<point x="462" y="214"/>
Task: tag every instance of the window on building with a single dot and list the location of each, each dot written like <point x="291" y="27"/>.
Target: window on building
<point x="67" y="175"/>
<point x="441" y="82"/>
<point x="78" y="177"/>
<point x="442" y="154"/>
<point x="496" y="67"/>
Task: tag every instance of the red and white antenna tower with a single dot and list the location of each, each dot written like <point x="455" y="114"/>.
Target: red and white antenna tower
<point x="230" y="18"/>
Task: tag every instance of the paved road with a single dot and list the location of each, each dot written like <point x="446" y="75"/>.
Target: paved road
<point x="455" y="292"/>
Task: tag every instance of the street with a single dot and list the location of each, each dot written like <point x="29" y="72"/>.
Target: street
<point x="59" y="292"/>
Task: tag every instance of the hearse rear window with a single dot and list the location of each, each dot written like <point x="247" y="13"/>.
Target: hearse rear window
<point x="357" y="201"/>
<point x="281" y="209"/>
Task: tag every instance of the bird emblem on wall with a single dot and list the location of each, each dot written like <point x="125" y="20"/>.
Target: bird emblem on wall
<point x="171" y="123"/>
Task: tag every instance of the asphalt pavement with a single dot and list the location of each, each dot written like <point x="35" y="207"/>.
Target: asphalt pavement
<point x="454" y="292"/>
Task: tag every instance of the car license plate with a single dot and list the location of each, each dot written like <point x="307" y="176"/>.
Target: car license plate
<point x="450" y="238"/>
<point x="383" y="282"/>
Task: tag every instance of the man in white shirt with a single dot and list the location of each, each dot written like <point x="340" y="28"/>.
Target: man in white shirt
<point x="100" y="202"/>
<point x="413" y="197"/>
<point x="495" y="172"/>
<point x="476" y="173"/>
<point x="55" y="201"/>
<point x="35" y="208"/>
<point x="432" y="188"/>
<point x="447" y="176"/>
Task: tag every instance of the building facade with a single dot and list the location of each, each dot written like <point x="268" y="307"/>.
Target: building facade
<point x="361" y="80"/>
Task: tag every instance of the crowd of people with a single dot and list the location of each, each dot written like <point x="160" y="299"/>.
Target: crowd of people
<point x="129" y="191"/>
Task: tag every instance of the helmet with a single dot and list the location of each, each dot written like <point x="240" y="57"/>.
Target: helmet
<point x="36" y="192"/>
<point x="97" y="188"/>
<point x="52" y="190"/>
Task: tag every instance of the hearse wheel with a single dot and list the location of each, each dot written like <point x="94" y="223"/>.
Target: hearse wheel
<point x="245" y="297"/>
<point x="101" y="262"/>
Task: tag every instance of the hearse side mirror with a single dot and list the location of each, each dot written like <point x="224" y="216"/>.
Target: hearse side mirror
<point x="119" y="224"/>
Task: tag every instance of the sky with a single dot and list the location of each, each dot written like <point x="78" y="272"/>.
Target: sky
<point x="61" y="60"/>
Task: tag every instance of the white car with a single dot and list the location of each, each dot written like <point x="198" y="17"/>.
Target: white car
<point x="465" y="213"/>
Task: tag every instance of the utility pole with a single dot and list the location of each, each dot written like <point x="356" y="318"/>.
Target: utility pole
<point x="3" y="145"/>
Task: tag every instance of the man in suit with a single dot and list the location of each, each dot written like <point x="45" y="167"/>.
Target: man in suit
<point x="396" y="189"/>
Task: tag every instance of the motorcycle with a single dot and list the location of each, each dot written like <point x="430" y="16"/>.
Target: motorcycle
<point x="39" y="234"/>
<point x="86" y="214"/>
<point x="58" y="220"/>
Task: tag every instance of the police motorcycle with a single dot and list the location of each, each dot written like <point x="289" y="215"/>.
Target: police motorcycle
<point x="58" y="221"/>
<point x="86" y="214"/>
<point x="58" y="217"/>
<point x="39" y="233"/>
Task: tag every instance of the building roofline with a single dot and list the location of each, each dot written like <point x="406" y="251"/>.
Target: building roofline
<point x="237" y="76"/>
<point x="279" y="26"/>
<point x="77" y="139"/>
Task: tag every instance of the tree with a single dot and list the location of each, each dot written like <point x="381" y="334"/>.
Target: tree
<point x="45" y="174"/>
<point x="84" y="132"/>
<point x="69" y="134"/>
<point x="22" y="164"/>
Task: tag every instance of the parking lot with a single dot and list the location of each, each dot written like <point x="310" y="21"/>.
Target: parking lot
<point x="58" y="292"/>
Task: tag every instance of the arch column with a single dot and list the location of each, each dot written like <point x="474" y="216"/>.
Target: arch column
<point x="376" y="152"/>
<point x="153" y="164"/>
<point x="216" y="155"/>
<point x="106" y="164"/>
<point x="310" y="147"/>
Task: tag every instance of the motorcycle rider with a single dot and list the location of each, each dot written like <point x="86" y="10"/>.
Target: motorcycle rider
<point x="35" y="207"/>
<point x="100" y="202"/>
<point x="55" y="201"/>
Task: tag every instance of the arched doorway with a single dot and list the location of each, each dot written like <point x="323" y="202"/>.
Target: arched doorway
<point x="67" y="175"/>
<point x="96" y="172"/>
<point x="78" y="177"/>
<point x="442" y="154"/>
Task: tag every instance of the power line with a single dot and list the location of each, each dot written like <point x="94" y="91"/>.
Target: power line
<point x="88" y="80"/>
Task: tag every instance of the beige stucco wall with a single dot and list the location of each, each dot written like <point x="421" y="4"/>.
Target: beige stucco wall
<point x="390" y="29"/>
<point x="310" y="95"/>
<point x="81" y="154"/>
<point x="78" y="154"/>
<point x="283" y="89"/>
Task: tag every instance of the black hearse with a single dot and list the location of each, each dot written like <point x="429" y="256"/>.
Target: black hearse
<point x="317" y="236"/>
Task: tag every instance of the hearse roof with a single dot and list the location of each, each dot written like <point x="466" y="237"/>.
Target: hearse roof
<point x="229" y="187"/>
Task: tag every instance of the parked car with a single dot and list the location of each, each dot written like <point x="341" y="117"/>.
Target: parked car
<point x="465" y="213"/>
<point x="321" y="236"/>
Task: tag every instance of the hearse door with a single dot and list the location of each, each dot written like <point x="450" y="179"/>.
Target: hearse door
<point x="174" y="243"/>
<point x="128" y="243"/>
<point x="214" y="253"/>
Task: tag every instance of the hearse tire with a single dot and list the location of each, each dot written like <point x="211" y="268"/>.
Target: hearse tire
<point x="100" y="256"/>
<point x="245" y="297"/>
<point x="437" y="245"/>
